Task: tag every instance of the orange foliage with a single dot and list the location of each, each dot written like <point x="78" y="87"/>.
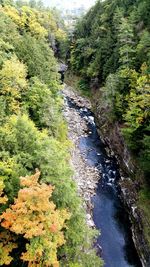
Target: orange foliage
<point x="35" y="217"/>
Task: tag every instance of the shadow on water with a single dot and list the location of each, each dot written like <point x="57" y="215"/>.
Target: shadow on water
<point x="109" y="215"/>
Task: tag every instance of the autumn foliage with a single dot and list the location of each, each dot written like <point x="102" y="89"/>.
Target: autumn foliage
<point x="35" y="217"/>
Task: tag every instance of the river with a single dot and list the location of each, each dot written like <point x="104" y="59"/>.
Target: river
<point x="109" y="215"/>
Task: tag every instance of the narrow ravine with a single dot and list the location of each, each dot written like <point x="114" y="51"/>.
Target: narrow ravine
<point x="96" y="175"/>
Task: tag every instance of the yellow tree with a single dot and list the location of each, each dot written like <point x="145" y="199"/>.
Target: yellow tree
<point x="35" y="217"/>
<point x="26" y="19"/>
<point x="13" y="83"/>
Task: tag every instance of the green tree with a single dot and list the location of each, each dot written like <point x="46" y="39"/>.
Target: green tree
<point x="45" y="110"/>
<point x="126" y="43"/>
<point x="138" y="103"/>
<point x="39" y="59"/>
<point x="143" y="48"/>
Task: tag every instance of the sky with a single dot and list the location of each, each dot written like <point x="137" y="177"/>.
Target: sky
<point x="68" y="4"/>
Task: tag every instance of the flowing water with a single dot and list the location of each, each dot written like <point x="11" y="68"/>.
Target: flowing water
<point x="115" y="242"/>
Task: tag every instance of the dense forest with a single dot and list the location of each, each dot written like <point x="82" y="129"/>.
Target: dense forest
<point x="42" y="222"/>
<point x="111" y="51"/>
<point x="42" y="219"/>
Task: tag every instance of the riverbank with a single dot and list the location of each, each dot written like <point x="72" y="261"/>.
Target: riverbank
<point x="86" y="177"/>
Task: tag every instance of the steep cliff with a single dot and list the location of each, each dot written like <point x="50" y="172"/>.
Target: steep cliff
<point x="131" y="175"/>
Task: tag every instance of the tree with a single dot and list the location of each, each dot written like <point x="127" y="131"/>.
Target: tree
<point x="35" y="217"/>
<point x="145" y="152"/>
<point x="8" y="31"/>
<point x="13" y="83"/>
<point x="39" y="59"/>
<point x="143" y="48"/>
<point x="26" y="19"/>
<point x="126" y="43"/>
<point x="5" y="51"/>
<point x="9" y="171"/>
<point x="7" y="243"/>
<point x="7" y="2"/>
<point x="45" y="110"/>
<point x="138" y="100"/>
<point x="3" y="199"/>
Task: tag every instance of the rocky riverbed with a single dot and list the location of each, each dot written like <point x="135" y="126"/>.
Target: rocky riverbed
<point x="86" y="177"/>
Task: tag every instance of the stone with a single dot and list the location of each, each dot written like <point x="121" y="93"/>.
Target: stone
<point x="86" y="177"/>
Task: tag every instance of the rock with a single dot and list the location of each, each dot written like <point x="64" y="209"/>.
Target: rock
<point x="85" y="176"/>
<point x="91" y="223"/>
<point x="88" y="217"/>
<point x="99" y="250"/>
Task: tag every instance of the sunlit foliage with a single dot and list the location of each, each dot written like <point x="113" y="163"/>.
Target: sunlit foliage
<point x="13" y="84"/>
<point x="35" y="217"/>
